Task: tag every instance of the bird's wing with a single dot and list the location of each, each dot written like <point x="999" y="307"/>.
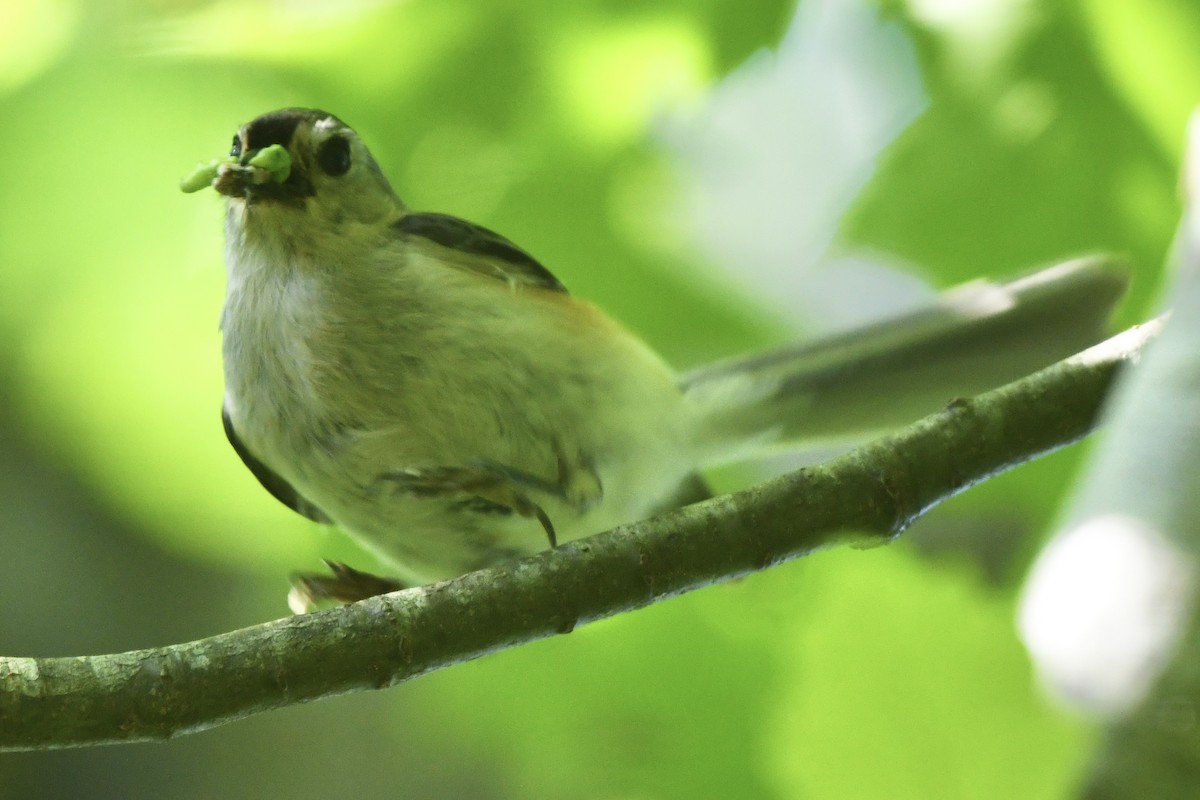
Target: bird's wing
<point x="279" y="488"/>
<point x="479" y="249"/>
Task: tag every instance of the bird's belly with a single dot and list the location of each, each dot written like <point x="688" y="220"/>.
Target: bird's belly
<point x="434" y="537"/>
<point x="336" y="413"/>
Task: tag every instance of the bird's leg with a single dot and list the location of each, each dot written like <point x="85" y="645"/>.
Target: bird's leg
<point x="484" y="484"/>
<point x="344" y="584"/>
<point x="505" y="487"/>
<point x="498" y="485"/>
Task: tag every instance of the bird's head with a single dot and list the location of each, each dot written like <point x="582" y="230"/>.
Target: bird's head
<point x="300" y="161"/>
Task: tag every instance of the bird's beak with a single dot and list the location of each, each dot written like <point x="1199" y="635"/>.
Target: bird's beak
<point x="251" y="180"/>
<point x="234" y="180"/>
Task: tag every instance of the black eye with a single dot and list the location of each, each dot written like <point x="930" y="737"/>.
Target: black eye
<point x="236" y="152"/>
<point x="334" y="156"/>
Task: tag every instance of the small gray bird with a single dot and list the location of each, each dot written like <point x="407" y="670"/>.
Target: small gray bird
<point x="431" y="389"/>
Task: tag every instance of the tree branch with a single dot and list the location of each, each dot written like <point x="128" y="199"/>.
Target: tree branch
<point x="868" y="495"/>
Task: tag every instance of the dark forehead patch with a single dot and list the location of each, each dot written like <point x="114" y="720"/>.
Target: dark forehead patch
<point x="278" y="127"/>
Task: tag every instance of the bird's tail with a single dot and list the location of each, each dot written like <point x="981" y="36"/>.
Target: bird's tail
<point x="973" y="338"/>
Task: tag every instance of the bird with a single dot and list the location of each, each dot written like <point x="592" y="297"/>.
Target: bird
<point x="430" y="388"/>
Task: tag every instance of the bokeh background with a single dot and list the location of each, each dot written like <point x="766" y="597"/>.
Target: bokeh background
<point x="719" y="176"/>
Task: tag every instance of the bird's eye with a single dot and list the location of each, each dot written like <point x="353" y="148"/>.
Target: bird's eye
<point x="236" y="151"/>
<point x="333" y="156"/>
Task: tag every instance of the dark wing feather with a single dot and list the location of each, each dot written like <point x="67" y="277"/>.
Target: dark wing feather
<point x="279" y="488"/>
<point x="497" y="257"/>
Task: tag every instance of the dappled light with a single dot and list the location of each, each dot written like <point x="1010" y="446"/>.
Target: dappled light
<point x="1104" y="610"/>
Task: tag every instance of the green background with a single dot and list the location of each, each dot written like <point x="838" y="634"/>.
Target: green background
<point x="128" y="522"/>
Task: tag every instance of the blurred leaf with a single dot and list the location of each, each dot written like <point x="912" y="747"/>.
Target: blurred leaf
<point x="32" y="36"/>
<point x="911" y="683"/>
<point x="1148" y="48"/>
<point x="1041" y="161"/>
<point x="661" y="704"/>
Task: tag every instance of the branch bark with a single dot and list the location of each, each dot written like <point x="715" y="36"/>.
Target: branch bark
<point x="868" y="495"/>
